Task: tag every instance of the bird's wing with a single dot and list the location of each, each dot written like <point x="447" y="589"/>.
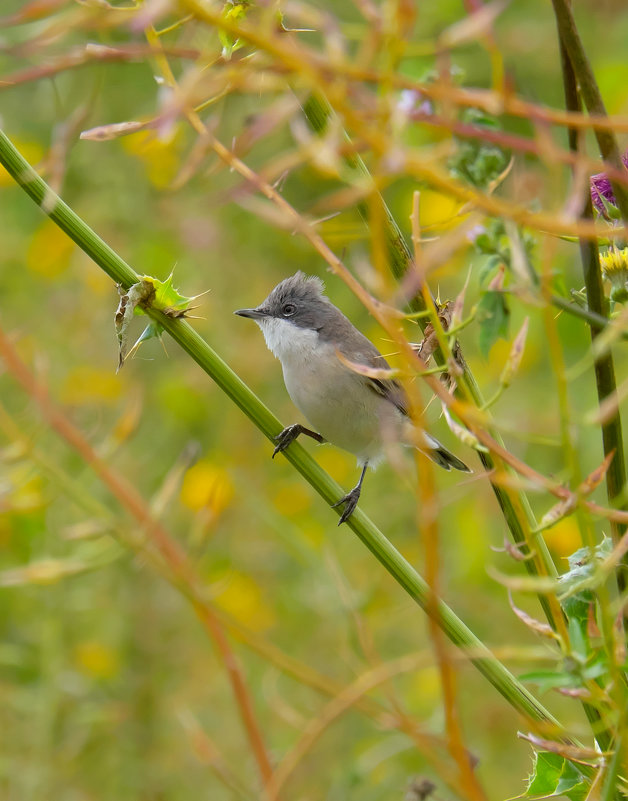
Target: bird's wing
<point x="387" y="388"/>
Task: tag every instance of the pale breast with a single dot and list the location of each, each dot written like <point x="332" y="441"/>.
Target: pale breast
<point x="336" y="402"/>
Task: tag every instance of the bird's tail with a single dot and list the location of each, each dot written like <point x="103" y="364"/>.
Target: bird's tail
<point x="438" y="453"/>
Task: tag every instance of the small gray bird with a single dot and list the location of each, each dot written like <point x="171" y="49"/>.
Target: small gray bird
<point x="305" y="331"/>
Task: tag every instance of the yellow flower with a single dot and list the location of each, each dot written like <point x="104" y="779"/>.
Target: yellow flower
<point x="243" y="598"/>
<point x="614" y="261"/>
<point x="614" y="264"/>
<point x="207" y="486"/>
<point x="159" y="156"/>
<point x="85" y="384"/>
<point x="49" y="251"/>
<point x="563" y="538"/>
<point x="96" y="659"/>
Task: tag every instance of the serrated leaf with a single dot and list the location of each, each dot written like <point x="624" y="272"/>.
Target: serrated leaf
<point x="584" y="575"/>
<point x="147" y="293"/>
<point x="167" y="297"/>
<point x="554" y="775"/>
<point x="493" y="316"/>
<point x="546" y="774"/>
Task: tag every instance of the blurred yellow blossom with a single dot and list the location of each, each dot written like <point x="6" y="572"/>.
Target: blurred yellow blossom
<point x="436" y="208"/>
<point x="336" y="462"/>
<point x="313" y="532"/>
<point x="26" y="489"/>
<point x="425" y="688"/>
<point x="244" y="599"/>
<point x="32" y="152"/>
<point x="563" y="538"/>
<point x="84" y="385"/>
<point x="292" y="498"/>
<point x="207" y="485"/>
<point x="49" y="251"/>
<point x="96" y="659"/>
<point x="159" y="156"/>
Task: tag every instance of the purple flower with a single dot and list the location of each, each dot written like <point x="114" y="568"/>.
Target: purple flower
<point x="602" y="192"/>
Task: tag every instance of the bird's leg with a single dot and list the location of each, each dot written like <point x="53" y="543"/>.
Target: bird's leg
<point x="288" y="436"/>
<point x="351" y="498"/>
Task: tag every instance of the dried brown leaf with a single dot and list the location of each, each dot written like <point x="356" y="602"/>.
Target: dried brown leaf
<point x="544" y="629"/>
<point x="377" y="373"/>
<point x="516" y="354"/>
<point x="595" y="478"/>
<point x="573" y="752"/>
<point x="513" y="551"/>
<point x="557" y="512"/>
<point x="103" y="133"/>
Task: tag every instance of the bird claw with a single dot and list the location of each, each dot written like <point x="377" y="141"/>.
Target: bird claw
<point x="351" y="499"/>
<point x="289" y="434"/>
<point x="285" y="438"/>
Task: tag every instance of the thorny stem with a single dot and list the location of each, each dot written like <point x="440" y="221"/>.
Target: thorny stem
<point x="398" y="567"/>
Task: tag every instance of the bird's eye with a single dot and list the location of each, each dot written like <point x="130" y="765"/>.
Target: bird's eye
<point x="288" y="309"/>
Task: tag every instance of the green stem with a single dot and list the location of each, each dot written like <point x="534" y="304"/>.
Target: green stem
<point x="604" y="368"/>
<point x="597" y="302"/>
<point x="583" y="73"/>
<point x="398" y="567"/>
<point x="593" y="318"/>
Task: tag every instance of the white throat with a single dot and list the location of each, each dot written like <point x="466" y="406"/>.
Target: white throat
<point x="288" y="342"/>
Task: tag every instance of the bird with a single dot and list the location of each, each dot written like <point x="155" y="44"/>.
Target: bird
<point x="314" y="340"/>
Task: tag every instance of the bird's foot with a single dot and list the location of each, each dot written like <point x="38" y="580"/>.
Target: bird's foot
<point x="289" y="434"/>
<point x="351" y="500"/>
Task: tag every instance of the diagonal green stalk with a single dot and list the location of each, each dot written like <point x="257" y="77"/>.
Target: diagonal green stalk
<point x="398" y="567"/>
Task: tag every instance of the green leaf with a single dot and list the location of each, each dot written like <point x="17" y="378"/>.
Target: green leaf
<point x="549" y="679"/>
<point x="152" y="293"/>
<point x="546" y="774"/>
<point x="234" y="10"/>
<point x="582" y="577"/>
<point x="486" y="271"/>
<point x="578" y="639"/>
<point x="166" y="298"/>
<point x="553" y="775"/>
<point x="493" y="316"/>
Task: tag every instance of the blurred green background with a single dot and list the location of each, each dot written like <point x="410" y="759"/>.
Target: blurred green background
<point x="105" y="675"/>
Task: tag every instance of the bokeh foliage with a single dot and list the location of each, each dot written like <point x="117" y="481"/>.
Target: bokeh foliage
<point x="110" y="688"/>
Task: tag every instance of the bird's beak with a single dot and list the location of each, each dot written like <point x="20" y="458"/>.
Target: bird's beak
<point x="254" y="314"/>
